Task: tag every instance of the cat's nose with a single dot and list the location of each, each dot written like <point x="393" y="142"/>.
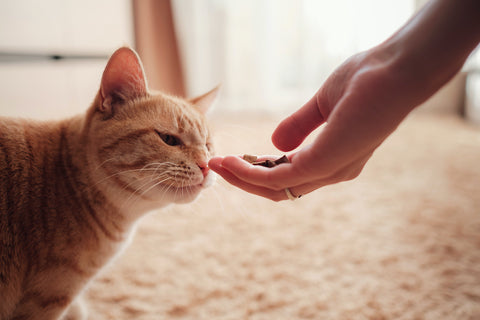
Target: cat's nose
<point x="204" y="167"/>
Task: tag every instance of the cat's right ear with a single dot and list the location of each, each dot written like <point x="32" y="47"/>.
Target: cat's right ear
<point x="122" y="80"/>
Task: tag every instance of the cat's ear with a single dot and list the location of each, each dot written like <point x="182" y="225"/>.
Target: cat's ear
<point x="206" y="100"/>
<point x="122" y="80"/>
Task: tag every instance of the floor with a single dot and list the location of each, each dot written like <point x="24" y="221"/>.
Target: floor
<point x="402" y="241"/>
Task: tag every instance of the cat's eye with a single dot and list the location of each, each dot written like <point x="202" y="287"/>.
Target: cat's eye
<point x="169" y="139"/>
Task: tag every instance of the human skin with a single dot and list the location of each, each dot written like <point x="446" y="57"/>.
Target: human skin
<point x="362" y="103"/>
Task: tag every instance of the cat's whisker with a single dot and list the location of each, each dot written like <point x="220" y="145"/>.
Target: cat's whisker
<point x="160" y="164"/>
<point x="101" y="164"/>
<point x="135" y="181"/>
<point x="133" y="193"/>
<point x="153" y="176"/>
<point x="142" y="187"/>
<point x="131" y="171"/>
<point x="183" y="187"/>
<point x="155" y="185"/>
<point x="164" y="176"/>
<point x="219" y="199"/>
<point x="166" y="188"/>
<point x="112" y="175"/>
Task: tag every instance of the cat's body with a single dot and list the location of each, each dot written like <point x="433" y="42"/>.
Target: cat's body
<point x="71" y="191"/>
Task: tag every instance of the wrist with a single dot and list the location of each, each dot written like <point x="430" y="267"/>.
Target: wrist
<point x="399" y="77"/>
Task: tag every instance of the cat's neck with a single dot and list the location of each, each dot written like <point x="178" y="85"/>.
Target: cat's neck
<point x="65" y="157"/>
<point x="61" y="152"/>
<point x="68" y="148"/>
<point x="99" y="186"/>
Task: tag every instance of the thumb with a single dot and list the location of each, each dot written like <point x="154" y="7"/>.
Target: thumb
<point x="291" y="132"/>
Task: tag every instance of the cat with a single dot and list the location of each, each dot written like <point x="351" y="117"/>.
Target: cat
<point x="72" y="191"/>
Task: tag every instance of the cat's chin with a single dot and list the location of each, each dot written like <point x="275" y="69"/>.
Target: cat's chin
<point x="189" y="193"/>
<point x="184" y="194"/>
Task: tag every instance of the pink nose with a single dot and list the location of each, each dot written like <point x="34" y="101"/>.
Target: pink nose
<point x="204" y="167"/>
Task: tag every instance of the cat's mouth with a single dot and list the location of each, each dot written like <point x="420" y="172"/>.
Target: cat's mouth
<point x="188" y="188"/>
<point x="182" y="189"/>
<point x="185" y="190"/>
<point x="182" y="194"/>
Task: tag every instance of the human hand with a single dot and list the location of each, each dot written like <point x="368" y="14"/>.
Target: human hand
<point x="361" y="106"/>
<point x="362" y="102"/>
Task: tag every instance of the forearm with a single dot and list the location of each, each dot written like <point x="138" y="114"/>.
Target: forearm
<point x="434" y="44"/>
<point x="374" y="91"/>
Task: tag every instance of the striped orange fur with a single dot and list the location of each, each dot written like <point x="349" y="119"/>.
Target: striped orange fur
<point x="71" y="191"/>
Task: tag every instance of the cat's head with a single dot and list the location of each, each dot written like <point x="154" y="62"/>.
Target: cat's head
<point x="148" y="145"/>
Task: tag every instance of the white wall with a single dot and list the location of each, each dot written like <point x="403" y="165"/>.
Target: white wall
<point x="55" y="89"/>
<point x="274" y="54"/>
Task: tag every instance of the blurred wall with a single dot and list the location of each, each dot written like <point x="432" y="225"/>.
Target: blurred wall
<point x="156" y="43"/>
<point x="44" y="89"/>
<point x="272" y="55"/>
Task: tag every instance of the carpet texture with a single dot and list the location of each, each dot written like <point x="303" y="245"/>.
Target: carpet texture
<point x="402" y="241"/>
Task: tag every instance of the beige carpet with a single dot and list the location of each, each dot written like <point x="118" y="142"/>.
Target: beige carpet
<point x="400" y="242"/>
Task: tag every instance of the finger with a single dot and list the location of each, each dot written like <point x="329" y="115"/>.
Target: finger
<point x="291" y="132"/>
<point x="276" y="178"/>
<point x="304" y="189"/>
<point x="215" y="163"/>
<point x="253" y="189"/>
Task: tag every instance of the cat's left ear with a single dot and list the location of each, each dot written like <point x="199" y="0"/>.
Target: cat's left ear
<point x="206" y="100"/>
<point x="122" y="80"/>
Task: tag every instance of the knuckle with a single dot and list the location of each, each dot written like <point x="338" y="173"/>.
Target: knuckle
<point x="345" y="174"/>
<point x="352" y="174"/>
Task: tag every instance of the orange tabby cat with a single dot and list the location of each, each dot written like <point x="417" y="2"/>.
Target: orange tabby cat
<point x="71" y="191"/>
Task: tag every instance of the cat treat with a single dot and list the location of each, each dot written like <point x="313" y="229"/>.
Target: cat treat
<point x="265" y="163"/>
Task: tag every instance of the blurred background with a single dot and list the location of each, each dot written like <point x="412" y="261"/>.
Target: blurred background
<point x="270" y="55"/>
<point x="399" y="242"/>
